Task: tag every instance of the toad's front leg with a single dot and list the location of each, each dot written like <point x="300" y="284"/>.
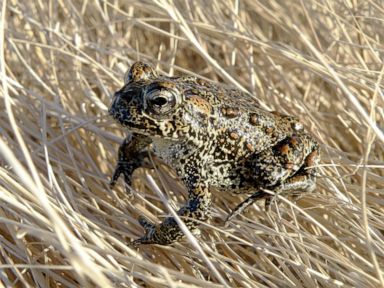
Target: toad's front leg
<point x="196" y="209"/>
<point x="130" y="157"/>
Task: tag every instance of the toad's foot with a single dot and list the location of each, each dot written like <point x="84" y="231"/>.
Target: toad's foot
<point x="163" y="234"/>
<point x="125" y="169"/>
<point x="245" y="204"/>
<point x="195" y="211"/>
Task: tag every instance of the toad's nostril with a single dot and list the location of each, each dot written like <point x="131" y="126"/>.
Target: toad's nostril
<point x="114" y="104"/>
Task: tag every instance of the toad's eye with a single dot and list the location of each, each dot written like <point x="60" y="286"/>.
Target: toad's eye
<point x="161" y="101"/>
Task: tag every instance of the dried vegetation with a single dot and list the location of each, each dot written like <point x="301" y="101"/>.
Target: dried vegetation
<point x="60" y="224"/>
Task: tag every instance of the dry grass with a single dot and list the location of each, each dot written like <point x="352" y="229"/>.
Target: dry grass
<point x="60" y="63"/>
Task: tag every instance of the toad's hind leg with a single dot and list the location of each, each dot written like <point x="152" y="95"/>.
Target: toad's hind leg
<point x="298" y="182"/>
<point x="287" y="167"/>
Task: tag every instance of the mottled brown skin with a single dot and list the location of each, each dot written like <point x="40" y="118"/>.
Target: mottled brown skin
<point x="213" y="137"/>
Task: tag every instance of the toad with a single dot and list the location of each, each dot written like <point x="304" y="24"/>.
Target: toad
<point x="213" y="137"/>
